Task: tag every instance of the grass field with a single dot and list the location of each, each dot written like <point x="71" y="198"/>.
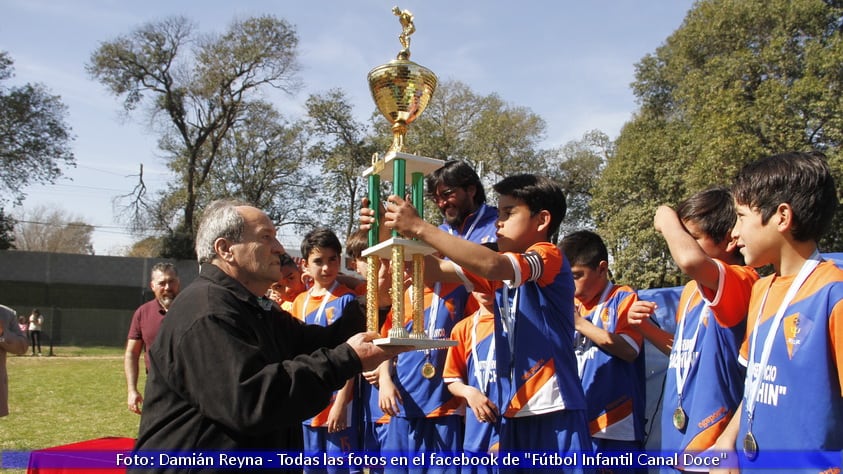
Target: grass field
<point x="77" y="394"/>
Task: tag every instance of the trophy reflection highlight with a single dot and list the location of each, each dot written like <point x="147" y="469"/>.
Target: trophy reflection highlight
<point x="401" y="90"/>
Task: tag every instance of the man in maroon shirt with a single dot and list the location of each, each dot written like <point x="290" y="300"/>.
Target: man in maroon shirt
<point x="164" y="282"/>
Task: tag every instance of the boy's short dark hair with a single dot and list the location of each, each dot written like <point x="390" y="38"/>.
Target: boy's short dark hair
<point x="800" y="179"/>
<point x="585" y="248"/>
<point x="287" y="261"/>
<point x="320" y="238"/>
<point x="456" y="173"/>
<point x="357" y="242"/>
<point x="539" y="193"/>
<point x="713" y="210"/>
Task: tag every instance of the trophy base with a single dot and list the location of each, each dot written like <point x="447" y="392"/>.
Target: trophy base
<point x="414" y="164"/>
<point x="411" y="247"/>
<point x="418" y="344"/>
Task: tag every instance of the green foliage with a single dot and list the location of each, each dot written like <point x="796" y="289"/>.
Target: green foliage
<point x="500" y="139"/>
<point x="576" y="167"/>
<point x="149" y="247"/>
<point x="343" y="150"/>
<point x="7" y="227"/>
<point x="178" y="245"/>
<point x="740" y="79"/>
<point x="34" y="136"/>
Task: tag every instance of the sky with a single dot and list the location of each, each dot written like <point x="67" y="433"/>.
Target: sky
<point x="570" y="62"/>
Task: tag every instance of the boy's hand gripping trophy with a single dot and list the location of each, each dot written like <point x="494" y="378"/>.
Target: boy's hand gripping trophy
<point x="401" y="89"/>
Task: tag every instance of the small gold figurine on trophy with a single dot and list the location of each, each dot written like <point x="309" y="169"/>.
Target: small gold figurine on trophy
<point x="401" y="90"/>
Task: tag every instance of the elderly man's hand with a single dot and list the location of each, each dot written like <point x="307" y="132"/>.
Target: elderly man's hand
<point x="371" y="355"/>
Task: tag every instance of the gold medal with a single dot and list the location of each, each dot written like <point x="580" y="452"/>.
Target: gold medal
<point x="750" y="446"/>
<point x="428" y="370"/>
<point x="679" y="418"/>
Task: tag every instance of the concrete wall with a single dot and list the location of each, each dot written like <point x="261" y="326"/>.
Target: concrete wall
<point x="86" y="300"/>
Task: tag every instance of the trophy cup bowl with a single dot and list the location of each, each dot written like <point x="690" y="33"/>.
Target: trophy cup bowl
<point x="401" y="90"/>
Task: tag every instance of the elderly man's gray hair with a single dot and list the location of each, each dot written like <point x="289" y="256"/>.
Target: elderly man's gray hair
<point x="219" y="220"/>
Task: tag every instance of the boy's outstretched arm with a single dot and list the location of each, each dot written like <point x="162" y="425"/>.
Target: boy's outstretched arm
<point x="686" y="252"/>
<point x="639" y="318"/>
<point x="402" y="216"/>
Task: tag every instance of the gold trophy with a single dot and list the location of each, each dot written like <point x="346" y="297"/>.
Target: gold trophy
<point x="401" y="89"/>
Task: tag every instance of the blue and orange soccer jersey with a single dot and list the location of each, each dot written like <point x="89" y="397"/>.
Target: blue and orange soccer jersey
<point x="311" y="310"/>
<point x="479" y="227"/>
<point x="428" y="397"/>
<point x="614" y="388"/>
<point x="713" y="326"/>
<point x="472" y="362"/>
<point x="799" y="406"/>
<point x="534" y="331"/>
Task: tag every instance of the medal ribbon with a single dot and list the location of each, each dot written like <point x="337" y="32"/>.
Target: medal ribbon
<point x="473" y="224"/>
<point x="508" y="319"/>
<point x="755" y="381"/>
<point x="433" y="314"/>
<point x="483" y="376"/>
<point x="683" y="372"/>
<point x="586" y="344"/>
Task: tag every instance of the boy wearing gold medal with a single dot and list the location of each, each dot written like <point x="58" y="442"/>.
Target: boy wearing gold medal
<point x="704" y="381"/>
<point x="794" y="346"/>
<point x="541" y="401"/>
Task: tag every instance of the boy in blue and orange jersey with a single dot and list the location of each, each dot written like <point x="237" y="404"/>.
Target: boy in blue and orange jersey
<point x="794" y="347"/>
<point x="331" y="431"/>
<point x="608" y="349"/>
<point x="541" y="400"/>
<point x="704" y="380"/>
<point x="285" y="290"/>
<point x="470" y="374"/>
<point x="424" y="416"/>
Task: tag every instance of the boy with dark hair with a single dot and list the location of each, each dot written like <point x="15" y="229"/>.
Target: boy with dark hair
<point x="608" y="350"/>
<point x="331" y="431"/>
<point x="704" y="380"/>
<point x="541" y="399"/>
<point x="470" y="374"/>
<point x="285" y="290"/>
<point x="794" y="346"/>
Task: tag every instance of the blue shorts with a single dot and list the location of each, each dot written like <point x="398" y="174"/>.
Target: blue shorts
<point x="317" y="440"/>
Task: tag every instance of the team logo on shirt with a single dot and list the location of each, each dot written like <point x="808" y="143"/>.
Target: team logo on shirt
<point x="796" y="329"/>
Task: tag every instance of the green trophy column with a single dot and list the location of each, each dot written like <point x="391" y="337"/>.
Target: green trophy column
<point x="398" y="330"/>
<point x="373" y="261"/>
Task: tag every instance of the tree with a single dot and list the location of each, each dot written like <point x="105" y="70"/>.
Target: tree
<point x="261" y="160"/>
<point x="343" y="151"/>
<point x="148" y="247"/>
<point x="7" y="230"/>
<point x="496" y="137"/>
<point x="196" y="95"/>
<point x="34" y="136"/>
<point x="577" y="166"/>
<point x="740" y="79"/>
<point x="53" y="230"/>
